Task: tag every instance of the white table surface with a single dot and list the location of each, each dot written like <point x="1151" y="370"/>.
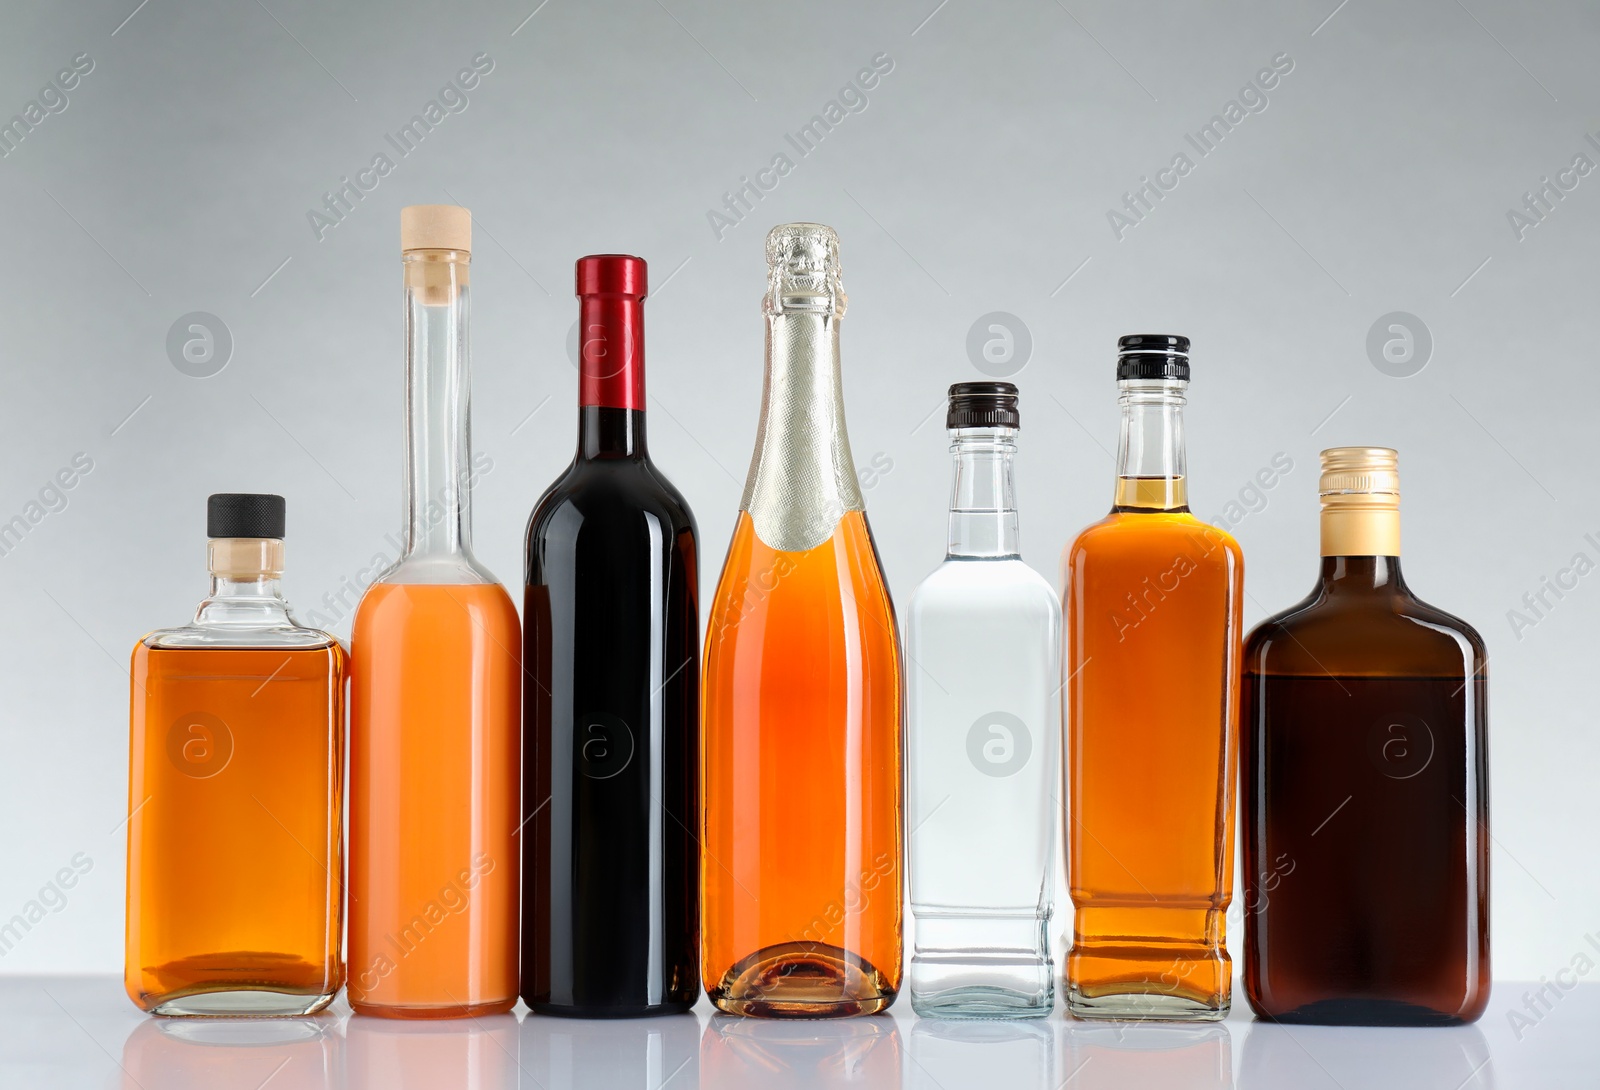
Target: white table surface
<point x="66" y="1032"/>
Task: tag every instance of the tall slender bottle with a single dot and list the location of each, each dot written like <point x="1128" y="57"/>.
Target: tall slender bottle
<point x="1365" y="724"/>
<point x="235" y="792"/>
<point x="983" y="740"/>
<point x="801" y="866"/>
<point x="1153" y="616"/>
<point x="611" y="863"/>
<point x="435" y="696"/>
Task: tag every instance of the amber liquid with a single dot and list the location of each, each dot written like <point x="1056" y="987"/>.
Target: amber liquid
<point x="1152" y="614"/>
<point x="435" y="691"/>
<point x="802" y="780"/>
<point x="1366" y="841"/>
<point x="234" y="839"/>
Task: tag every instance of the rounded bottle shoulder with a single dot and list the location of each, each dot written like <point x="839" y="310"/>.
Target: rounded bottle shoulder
<point x="1364" y="634"/>
<point x="981" y="579"/>
<point x="1155" y="527"/>
<point x="610" y="491"/>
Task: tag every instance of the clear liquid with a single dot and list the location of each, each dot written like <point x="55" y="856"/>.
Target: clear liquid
<point x="983" y="677"/>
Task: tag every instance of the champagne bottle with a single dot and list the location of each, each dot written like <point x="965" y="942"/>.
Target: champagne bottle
<point x="801" y="867"/>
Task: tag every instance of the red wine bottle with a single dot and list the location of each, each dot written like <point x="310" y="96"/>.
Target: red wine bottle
<point x="611" y="711"/>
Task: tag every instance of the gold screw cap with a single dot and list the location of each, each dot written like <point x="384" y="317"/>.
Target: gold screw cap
<point x="1360" y="471"/>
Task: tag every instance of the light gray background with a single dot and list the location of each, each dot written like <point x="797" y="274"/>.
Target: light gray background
<point x="977" y="179"/>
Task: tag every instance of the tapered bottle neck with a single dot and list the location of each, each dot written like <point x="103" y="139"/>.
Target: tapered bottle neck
<point x="1151" y="464"/>
<point x="606" y="434"/>
<point x="802" y="476"/>
<point x="438" y="405"/>
<point x="983" y="501"/>
<point x="246" y="583"/>
<point x="611" y="376"/>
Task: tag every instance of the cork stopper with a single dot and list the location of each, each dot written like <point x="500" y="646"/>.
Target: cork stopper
<point x="435" y="227"/>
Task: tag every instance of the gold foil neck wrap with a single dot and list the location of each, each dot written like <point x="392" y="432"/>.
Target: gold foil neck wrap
<point x="803" y="269"/>
<point x="1360" y="489"/>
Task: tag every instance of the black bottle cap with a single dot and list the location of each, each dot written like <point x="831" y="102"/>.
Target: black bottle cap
<point x="983" y="405"/>
<point x="244" y="514"/>
<point x="1153" y="356"/>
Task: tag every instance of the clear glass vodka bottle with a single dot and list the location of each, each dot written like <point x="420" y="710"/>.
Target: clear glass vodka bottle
<point x="983" y="643"/>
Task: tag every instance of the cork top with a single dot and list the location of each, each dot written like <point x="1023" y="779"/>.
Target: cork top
<point x="435" y="227"/>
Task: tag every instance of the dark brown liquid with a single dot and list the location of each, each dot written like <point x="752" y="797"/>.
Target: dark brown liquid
<point x="1366" y="813"/>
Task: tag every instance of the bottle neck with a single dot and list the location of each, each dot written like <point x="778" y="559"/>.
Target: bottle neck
<point x="1361" y="575"/>
<point x="438" y="404"/>
<point x="983" y="502"/>
<point x="607" y="433"/>
<point x="1151" y="465"/>
<point x="611" y="351"/>
<point x="246" y="588"/>
<point x="802" y="477"/>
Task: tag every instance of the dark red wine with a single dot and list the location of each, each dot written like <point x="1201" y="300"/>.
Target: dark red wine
<point x="610" y="911"/>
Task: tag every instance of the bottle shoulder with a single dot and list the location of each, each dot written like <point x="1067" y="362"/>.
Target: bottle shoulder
<point x="609" y="493"/>
<point x="979" y="587"/>
<point x="230" y="636"/>
<point x="1121" y="530"/>
<point x="1383" y="634"/>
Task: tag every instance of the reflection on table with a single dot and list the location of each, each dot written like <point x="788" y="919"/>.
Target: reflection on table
<point x="202" y="1054"/>
<point x="1130" y="1055"/>
<point x="971" y="1053"/>
<point x="1340" y="1057"/>
<point x="850" y="1052"/>
<point x="619" y="1054"/>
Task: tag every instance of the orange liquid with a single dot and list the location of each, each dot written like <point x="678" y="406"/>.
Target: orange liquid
<point x="233" y="845"/>
<point x="801" y="852"/>
<point x="1151" y="753"/>
<point x="435" y="730"/>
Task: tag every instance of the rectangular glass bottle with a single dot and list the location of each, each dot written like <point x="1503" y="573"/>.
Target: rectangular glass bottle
<point x="611" y="713"/>
<point x="235" y="789"/>
<point x="1365" y="748"/>
<point x="1153" y="616"/>
<point x="983" y="740"/>
<point x="801" y="844"/>
<point x="435" y="697"/>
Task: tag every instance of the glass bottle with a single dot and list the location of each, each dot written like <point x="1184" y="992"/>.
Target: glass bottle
<point x="801" y="866"/>
<point x="982" y="740"/>
<point x="611" y="867"/>
<point x="1153" y="623"/>
<point x="1365" y="731"/>
<point x="235" y="780"/>
<point x="435" y="697"/>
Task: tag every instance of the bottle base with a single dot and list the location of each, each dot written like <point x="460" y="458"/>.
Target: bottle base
<point x="1144" y="1007"/>
<point x="1175" y="972"/>
<point x="972" y="964"/>
<point x="803" y="980"/>
<point x="1363" y="1012"/>
<point x="241" y="1003"/>
<point x="980" y="1001"/>
<point x="651" y="1010"/>
<point x="429" y="1013"/>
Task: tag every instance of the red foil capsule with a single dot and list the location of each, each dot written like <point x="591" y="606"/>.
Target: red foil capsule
<point x="611" y="290"/>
